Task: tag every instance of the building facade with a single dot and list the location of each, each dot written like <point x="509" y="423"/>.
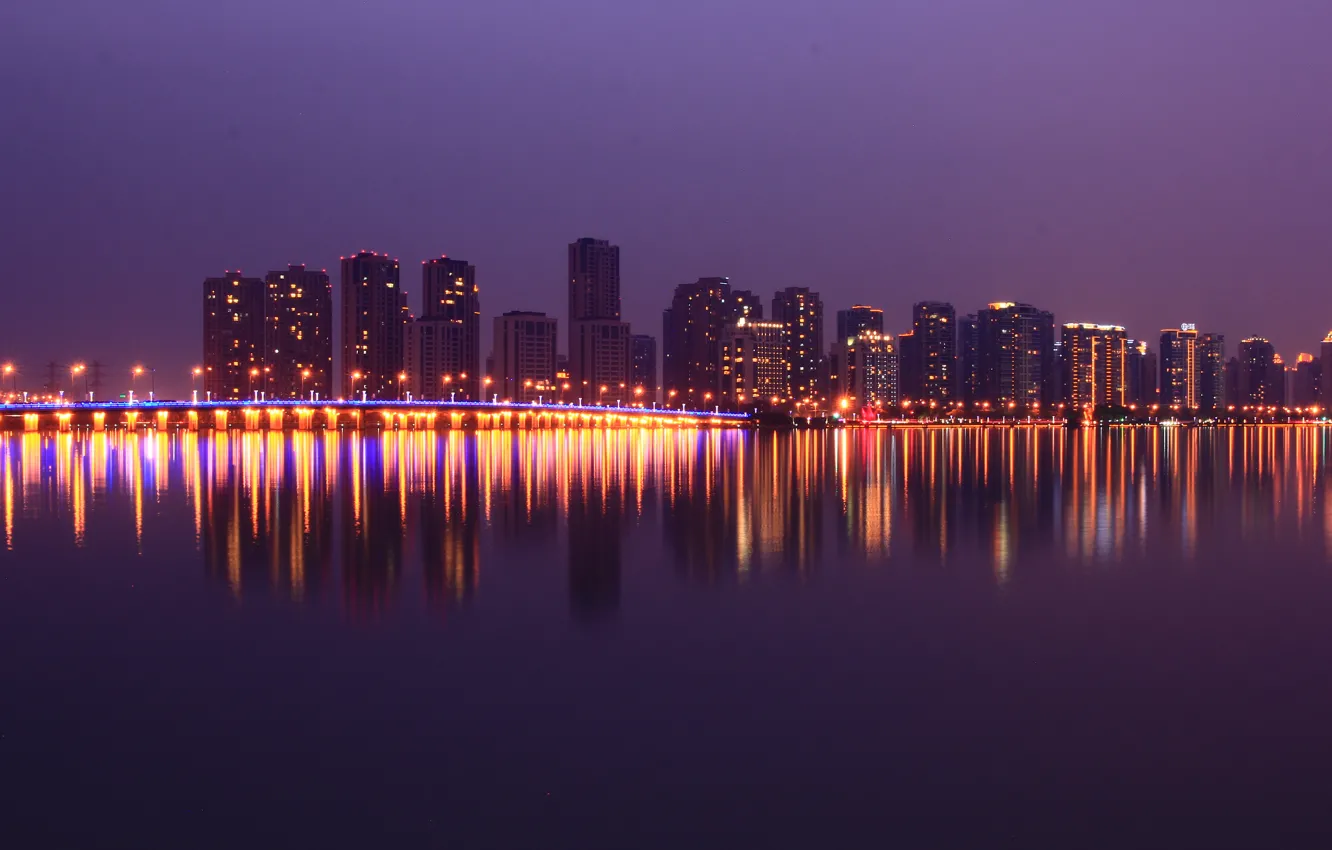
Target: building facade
<point x="1261" y="374"/>
<point x="691" y="337"/>
<point x="1140" y="374"/>
<point x="934" y="331"/>
<point x="451" y="302"/>
<point x="524" y="357"/>
<point x="643" y="367"/>
<point x="598" y="340"/>
<point x="800" y="312"/>
<point x="1094" y="362"/>
<point x="599" y="370"/>
<point x="233" y="335"/>
<point x="1211" y="374"/>
<point x="752" y="367"/>
<point x="864" y="372"/>
<point x="1325" y="361"/>
<point x="859" y="318"/>
<point x="298" y="335"/>
<point x="1015" y="357"/>
<point x="1180" y="372"/>
<point x="374" y="320"/>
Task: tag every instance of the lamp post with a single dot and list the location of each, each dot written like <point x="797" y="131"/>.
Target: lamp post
<point x="76" y="370"/>
<point x="194" y="383"/>
<point x="8" y="370"/>
<point x="134" y="374"/>
<point x="402" y="377"/>
<point x="305" y="376"/>
<point x="254" y="373"/>
<point x="355" y="376"/>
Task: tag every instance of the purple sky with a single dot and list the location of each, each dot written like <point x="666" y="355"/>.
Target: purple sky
<point x="1143" y="162"/>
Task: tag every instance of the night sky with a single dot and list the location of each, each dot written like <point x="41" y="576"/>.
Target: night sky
<point x="1142" y="162"/>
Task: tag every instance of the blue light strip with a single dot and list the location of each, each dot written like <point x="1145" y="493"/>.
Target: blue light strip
<point x="423" y="406"/>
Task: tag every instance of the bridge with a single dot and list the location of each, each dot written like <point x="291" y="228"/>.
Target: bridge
<point x="290" y="415"/>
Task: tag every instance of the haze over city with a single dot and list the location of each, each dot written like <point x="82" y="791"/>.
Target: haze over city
<point x="1110" y="162"/>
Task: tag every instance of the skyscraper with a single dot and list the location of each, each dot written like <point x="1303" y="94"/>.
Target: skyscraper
<point x="1180" y="372"/>
<point x="934" y="328"/>
<point x="598" y="340"/>
<point x="233" y="335"/>
<point x="1212" y="373"/>
<point x="691" y="338"/>
<point x="374" y="318"/>
<point x="1325" y="360"/>
<point x="524" y="356"/>
<point x="968" y="355"/>
<point x="1306" y="382"/>
<point x="1260" y="382"/>
<point x="643" y="366"/>
<point x="752" y="367"/>
<point x="298" y="337"/>
<point x="1016" y="352"/>
<point x="859" y="318"/>
<point x="864" y="371"/>
<point x="1140" y="374"/>
<point x="451" y="312"/>
<point x="800" y="311"/>
<point x="1094" y="359"/>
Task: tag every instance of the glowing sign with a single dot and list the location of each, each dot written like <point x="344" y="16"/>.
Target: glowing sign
<point x="1188" y="327"/>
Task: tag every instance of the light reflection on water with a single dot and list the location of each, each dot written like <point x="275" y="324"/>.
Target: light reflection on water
<point x="526" y="639"/>
<point x="301" y="513"/>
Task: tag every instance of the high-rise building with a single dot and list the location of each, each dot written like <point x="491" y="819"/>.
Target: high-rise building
<point x="1094" y="360"/>
<point x="1016" y="356"/>
<point x="909" y="367"/>
<point x="1212" y="373"/>
<point x="594" y="280"/>
<point x="864" y="371"/>
<point x="691" y="337"/>
<point x="1232" y="383"/>
<point x="1139" y="374"/>
<point x="374" y="319"/>
<point x="1325" y="360"/>
<point x="859" y="318"/>
<point x="451" y="313"/>
<point x="1306" y="381"/>
<point x="599" y="361"/>
<point x="524" y="356"/>
<point x="233" y="335"/>
<point x="934" y="328"/>
<point x="800" y="312"/>
<point x="1261" y="373"/>
<point x="1180" y="369"/>
<point x="598" y="340"/>
<point x="752" y="365"/>
<point x="968" y="355"/>
<point x="298" y="335"/>
<point x="643" y="367"/>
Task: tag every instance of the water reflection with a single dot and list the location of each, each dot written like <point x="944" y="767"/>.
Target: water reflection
<point x="357" y="518"/>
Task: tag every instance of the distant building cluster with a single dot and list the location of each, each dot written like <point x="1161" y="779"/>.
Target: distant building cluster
<point x="719" y="348"/>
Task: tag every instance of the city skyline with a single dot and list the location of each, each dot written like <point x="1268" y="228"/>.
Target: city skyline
<point x="255" y="328"/>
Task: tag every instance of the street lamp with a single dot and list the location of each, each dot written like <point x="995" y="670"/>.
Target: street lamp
<point x="601" y="394"/>
<point x="9" y="369"/>
<point x="76" y="370"/>
<point x="355" y="376"/>
<point x="134" y="374"/>
<point x="254" y="373"/>
<point x="194" y="382"/>
<point x="305" y="375"/>
<point x="402" y="376"/>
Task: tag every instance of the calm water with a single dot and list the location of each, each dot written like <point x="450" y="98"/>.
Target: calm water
<point x="917" y="639"/>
